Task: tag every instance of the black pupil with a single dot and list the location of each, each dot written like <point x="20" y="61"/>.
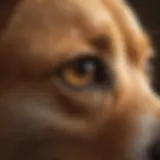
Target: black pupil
<point x="85" y="67"/>
<point x="94" y="65"/>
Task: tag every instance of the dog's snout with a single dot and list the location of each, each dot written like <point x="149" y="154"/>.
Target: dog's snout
<point x="154" y="151"/>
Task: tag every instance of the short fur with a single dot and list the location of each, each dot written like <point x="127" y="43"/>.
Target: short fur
<point x="41" y="118"/>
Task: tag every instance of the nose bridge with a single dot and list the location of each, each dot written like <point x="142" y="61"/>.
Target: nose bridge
<point x="153" y="104"/>
<point x="139" y="119"/>
<point x="150" y="117"/>
<point x="153" y="149"/>
<point x="156" y="104"/>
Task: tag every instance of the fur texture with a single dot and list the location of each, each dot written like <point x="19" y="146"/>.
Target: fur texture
<point x="42" y="118"/>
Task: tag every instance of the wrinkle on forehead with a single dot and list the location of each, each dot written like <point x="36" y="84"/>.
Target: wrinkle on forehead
<point x="40" y="29"/>
<point x="58" y="14"/>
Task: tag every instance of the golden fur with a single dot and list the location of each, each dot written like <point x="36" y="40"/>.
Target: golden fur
<point x="41" y="118"/>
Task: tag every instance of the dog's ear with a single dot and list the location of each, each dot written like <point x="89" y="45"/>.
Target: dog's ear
<point x="6" y="10"/>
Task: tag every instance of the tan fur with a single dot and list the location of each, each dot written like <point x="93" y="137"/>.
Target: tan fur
<point x="37" y="121"/>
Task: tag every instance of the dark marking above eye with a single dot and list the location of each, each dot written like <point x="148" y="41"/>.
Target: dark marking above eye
<point x="100" y="43"/>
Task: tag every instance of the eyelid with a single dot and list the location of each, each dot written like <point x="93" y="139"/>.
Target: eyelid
<point x="61" y="62"/>
<point x="69" y="54"/>
<point x="70" y="58"/>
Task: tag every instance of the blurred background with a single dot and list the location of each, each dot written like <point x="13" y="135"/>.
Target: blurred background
<point x="149" y="14"/>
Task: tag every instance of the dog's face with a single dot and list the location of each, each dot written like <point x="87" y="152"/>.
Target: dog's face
<point x="74" y="82"/>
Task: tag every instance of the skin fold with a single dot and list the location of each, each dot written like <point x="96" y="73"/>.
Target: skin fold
<point x="44" y="118"/>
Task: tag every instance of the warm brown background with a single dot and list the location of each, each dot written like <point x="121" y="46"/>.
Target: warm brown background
<point x="149" y="12"/>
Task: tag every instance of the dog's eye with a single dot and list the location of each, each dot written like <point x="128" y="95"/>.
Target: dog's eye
<point x="83" y="72"/>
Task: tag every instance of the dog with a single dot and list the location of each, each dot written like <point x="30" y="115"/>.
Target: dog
<point x="76" y="82"/>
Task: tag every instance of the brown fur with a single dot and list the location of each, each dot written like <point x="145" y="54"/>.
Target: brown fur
<point x="41" y="118"/>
